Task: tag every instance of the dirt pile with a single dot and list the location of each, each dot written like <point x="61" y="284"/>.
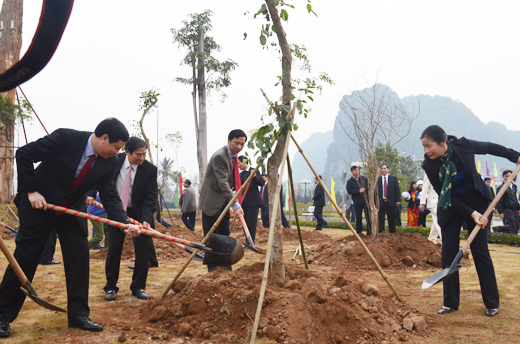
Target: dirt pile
<point x="305" y="307"/>
<point x="164" y="249"/>
<point x="262" y="234"/>
<point x="394" y="251"/>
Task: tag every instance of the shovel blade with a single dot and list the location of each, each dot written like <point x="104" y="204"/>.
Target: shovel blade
<point x="440" y="276"/>
<point x="29" y="291"/>
<point x="225" y="250"/>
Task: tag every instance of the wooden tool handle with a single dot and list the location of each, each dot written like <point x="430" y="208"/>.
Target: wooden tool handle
<point x="12" y="261"/>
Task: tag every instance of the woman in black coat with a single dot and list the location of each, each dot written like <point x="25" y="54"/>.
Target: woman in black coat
<point x="463" y="196"/>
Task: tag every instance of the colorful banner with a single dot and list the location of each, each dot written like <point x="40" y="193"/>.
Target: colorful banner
<point x="478" y="166"/>
<point x="495" y="168"/>
<point x="180" y="182"/>
<point x="487" y="169"/>
<point x="176" y="202"/>
<point x="332" y="192"/>
<point x="286" y="195"/>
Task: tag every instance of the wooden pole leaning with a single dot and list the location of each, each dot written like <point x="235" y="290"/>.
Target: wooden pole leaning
<point x="385" y="277"/>
<point x="224" y="212"/>
<point x="270" y="240"/>
<point x="289" y="172"/>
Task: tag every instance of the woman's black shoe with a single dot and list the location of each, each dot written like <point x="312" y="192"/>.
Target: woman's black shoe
<point x="446" y="310"/>
<point x="491" y="312"/>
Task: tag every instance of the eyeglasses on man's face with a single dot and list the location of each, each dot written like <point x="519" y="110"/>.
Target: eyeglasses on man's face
<point x="139" y="155"/>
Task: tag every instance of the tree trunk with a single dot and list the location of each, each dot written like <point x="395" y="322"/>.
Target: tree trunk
<point x="142" y="130"/>
<point x="10" y="45"/>
<point x="277" y="264"/>
<point x="202" y="135"/>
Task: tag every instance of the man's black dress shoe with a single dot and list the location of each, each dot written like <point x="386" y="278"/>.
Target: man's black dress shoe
<point x="52" y="262"/>
<point x="491" y="312"/>
<point x="4" y="329"/>
<point x="85" y="324"/>
<point x="131" y="267"/>
<point x="110" y="295"/>
<point x="140" y="294"/>
<point x="446" y="310"/>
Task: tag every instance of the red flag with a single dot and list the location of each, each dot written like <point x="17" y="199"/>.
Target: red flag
<point x="180" y="182"/>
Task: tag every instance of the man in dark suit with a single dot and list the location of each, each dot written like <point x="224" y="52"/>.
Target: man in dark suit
<point x="221" y="180"/>
<point x="264" y="194"/>
<point x="136" y="183"/>
<point x="389" y="198"/>
<point x="319" y="203"/>
<point x="71" y="163"/>
<point x="358" y="186"/>
<point x="508" y="207"/>
<point x="265" y="205"/>
<point x="252" y="200"/>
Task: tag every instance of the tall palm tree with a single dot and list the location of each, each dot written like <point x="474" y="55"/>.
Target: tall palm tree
<point x="166" y="172"/>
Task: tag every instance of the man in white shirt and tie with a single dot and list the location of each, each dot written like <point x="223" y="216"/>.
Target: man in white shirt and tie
<point x="389" y="198"/>
<point x="136" y="183"/>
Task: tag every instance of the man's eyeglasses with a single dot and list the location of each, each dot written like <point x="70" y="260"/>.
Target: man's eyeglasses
<point x="139" y="156"/>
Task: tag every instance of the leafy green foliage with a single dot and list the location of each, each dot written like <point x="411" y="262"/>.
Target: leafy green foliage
<point x="147" y="99"/>
<point x="217" y="72"/>
<point x="9" y="112"/>
<point x="403" y="167"/>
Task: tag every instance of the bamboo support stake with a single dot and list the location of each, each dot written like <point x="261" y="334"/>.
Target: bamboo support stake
<point x="270" y="240"/>
<point x="385" y="277"/>
<point x="224" y="212"/>
<point x="289" y="170"/>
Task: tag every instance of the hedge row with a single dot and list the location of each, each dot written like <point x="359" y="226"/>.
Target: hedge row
<point x="493" y="238"/>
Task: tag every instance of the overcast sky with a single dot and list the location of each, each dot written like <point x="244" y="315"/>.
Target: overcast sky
<point x="113" y="50"/>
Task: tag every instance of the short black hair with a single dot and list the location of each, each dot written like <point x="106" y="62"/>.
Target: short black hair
<point x="352" y="168"/>
<point x="135" y="143"/>
<point x="506" y="172"/>
<point x="187" y="181"/>
<point x="318" y="176"/>
<point x="236" y="133"/>
<point x="115" y="130"/>
<point x="384" y="164"/>
<point x="486" y="179"/>
<point x="243" y="159"/>
<point x="264" y="175"/>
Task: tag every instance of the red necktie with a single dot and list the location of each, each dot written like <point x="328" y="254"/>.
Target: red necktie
<point x="80" y="178"/>
<point x="237" y="178"/>
<point x="84" y="172"/>
<point x="263" y="189"/>
<point x="385" y="187"/>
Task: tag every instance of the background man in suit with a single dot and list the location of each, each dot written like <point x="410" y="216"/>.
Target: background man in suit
<point x="264" y="194"/>
<point x="357" y="186"/>
<point x="222" y="178"/>
<point x="252" y="200"/>
<point x="189" y="206"/>
<point x="389" y="198"/>
<point x="136" y="183"/>
<point x="319" y="203"/>
<point x="508" y="207"/>
<point x="71" y="163"/>
<point x="265" y="205"/>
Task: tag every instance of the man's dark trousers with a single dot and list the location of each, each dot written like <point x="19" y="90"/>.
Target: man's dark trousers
<point x="318" y="214"/>
<point x="358" y="209"/>
<point x="222" y="228"/>
<point x="34" y="239"/>
<point x="385" y="208"/>
<point x="251" y="217"/>
<point x="189" y="220"/>
<point x="142" y="246"/>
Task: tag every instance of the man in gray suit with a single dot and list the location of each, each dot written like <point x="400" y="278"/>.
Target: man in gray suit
<point x="189" y="206"/>
<point x="221" y="180"/>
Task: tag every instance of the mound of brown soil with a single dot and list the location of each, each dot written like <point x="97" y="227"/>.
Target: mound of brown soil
<point x="394" y="251"/>
<point x="262" y="234"/>
<point x="164" y="249"/>
<point x="306" y="307"/>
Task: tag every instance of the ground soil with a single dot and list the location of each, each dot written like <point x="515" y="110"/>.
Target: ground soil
<point x="340" y="299"/>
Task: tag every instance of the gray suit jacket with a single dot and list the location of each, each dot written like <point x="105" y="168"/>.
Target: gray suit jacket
<point x="216" y="188"/>
<point x="189" y="203"/>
